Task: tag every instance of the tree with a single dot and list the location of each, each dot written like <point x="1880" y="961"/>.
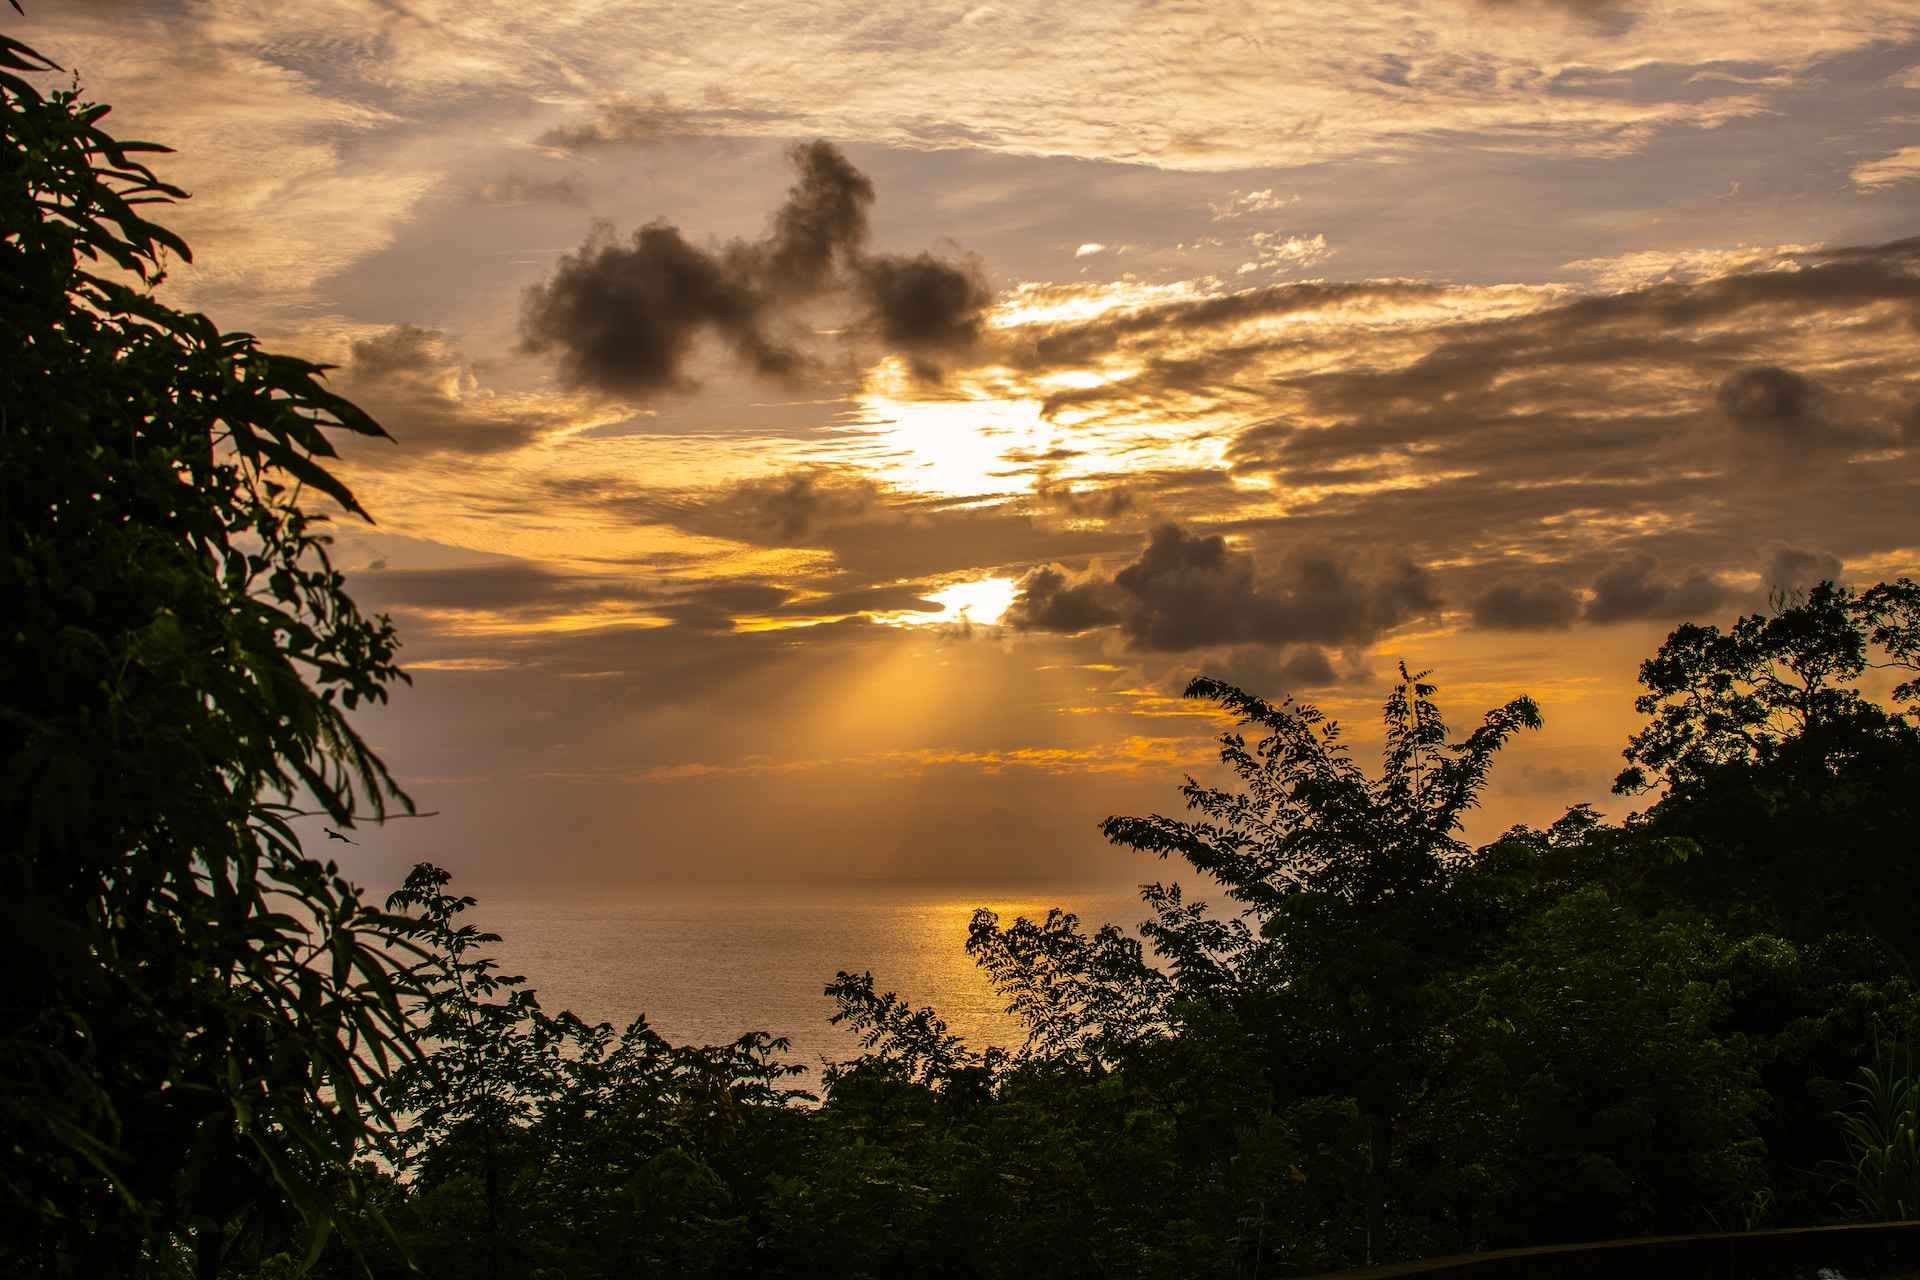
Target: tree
<point x="1593" y="1090"/>
<point x="534" y="1141"/>
<point x="1798" y="789"/>
<point x="1745" y="696"/>
<point x="1345" y="879"/>
<point x="491" y="1057"/>
<point x="196" y="1015"/>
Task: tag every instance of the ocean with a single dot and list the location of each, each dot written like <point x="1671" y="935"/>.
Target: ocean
<point x="706" y="963"/>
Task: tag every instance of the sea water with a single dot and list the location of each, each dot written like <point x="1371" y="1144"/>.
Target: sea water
<point x="707" y="962"/>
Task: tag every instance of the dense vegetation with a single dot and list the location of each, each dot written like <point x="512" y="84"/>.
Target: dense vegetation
<point x="1383" y="1043"/>
<point x="195" y="1015"/>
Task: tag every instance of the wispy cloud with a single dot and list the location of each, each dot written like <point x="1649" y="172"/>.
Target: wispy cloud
<point x="1901" y="166"/>
<point x="1242" y="203"/>
<point x="1646" y="267"/>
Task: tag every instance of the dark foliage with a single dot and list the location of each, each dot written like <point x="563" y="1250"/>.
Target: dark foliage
<point x="196" y="1015"/>
<point x="1388" y="1044"/>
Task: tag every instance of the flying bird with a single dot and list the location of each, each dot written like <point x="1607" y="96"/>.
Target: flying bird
<point x="335" y="835"/>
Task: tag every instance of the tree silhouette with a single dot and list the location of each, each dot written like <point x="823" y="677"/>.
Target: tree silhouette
<point x="196" y="1015"/>
<point x="1344" y="879"/>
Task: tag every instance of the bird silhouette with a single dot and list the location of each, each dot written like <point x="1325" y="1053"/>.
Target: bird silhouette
<point x="335" y="835"/>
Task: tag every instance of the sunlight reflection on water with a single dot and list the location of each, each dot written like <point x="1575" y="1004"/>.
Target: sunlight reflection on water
<point x="708" y="962"/>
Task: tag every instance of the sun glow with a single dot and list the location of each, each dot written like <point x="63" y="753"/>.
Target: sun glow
<point x="956" y="446"/>
<point x="984" y="602"/>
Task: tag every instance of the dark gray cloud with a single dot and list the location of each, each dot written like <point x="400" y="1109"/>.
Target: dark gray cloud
<point x="634" y="122"/>
<point x="1186" y="591"/>
<point x="1792" y="420"/>
<point x="402" y="350"/>
<point x="714" y="607"/>
<point x="1791" y="568"/>
<point x="923" y="302"/>
<point x="1770" y="400"/>
<point x="1637" y="590"/>
<point x="1531" y="604"/>
<point x="624" y="316"/>
<point x="1275" y="674"/>
<point x="1908" y="248"/>
<point x="824" y="219"/>
<point x="1048" y="601"/>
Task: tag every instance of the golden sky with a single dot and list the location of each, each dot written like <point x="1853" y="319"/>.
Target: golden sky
<point x="829" y="435"/>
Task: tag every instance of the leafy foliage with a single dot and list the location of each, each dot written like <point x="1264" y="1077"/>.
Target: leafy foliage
<point x="197" y="1015"/>
<point x="1769" y="682"/>
<point x="1347" y="880"/>
<point x="1797" y="788"/>
<point x="531" y="1140"/>
<point x="1388" y="1045"/>
<point x="1881" y="1170"/>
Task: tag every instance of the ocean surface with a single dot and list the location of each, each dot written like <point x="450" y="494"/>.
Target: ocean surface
<point x="706" y="963"/>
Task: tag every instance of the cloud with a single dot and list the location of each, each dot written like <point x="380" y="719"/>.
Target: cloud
<point x="517" y="188"/>
<point x="521" y="590"/>
<point x="1242" y="203"/>
<point x="1787" y="414"/>
<point x="1277" y="251"/>
<point x="1077" y="341"/>
<point x="511" y="585"/>
<point x="1605" y="19"/>
<point x="923" y="303"/>
<point x="1646" y="267"/>
<point x="1088" y="501"/>
<point x="791" y="509"/>
<point x="876" y="535"/>
<point x="1185" y="591"/>
<point x="617" y="122"/>
<point x="1274" y="673"/>
<point x="1088" y="249"/>
<point x="1901" y="166"/>
<point x="1047" y="601"/>
<point x="403" y="350"/>
<point x="1770" y="400"/>
<point x="1527" y="605"/>
<point x="624" y="316"/>
<point x="416" y="385"/>
<point x="1635" y="590"/>
<point x="1791" y="568"/>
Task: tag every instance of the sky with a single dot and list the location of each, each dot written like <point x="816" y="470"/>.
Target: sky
<point x="827" y="437"/>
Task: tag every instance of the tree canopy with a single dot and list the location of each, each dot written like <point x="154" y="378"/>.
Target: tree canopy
<point x="196" y="1014"/>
